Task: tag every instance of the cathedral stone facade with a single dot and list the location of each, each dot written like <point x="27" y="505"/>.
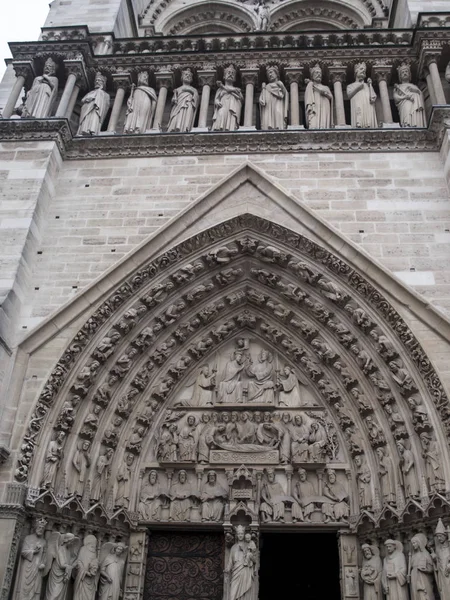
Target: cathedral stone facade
<point x="225" y="282"/>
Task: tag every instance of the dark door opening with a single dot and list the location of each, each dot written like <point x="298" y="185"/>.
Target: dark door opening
<point x="299" y="565"/>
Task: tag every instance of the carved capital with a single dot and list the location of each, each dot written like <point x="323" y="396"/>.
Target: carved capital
<point x="77" y="68"/>
<point x="121" y="80"/>
<point x="163" y="79"/>
<point x="294" y="75"/>
<point x="382" y="72"/>
<point x="338" y="72"/>
<point x="24" y="69"/>
<point x="249" y="76"/>
<point x="207" y="78"/>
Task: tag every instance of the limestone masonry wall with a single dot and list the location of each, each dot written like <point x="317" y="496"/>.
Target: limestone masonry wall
<point x="395" y="206"/>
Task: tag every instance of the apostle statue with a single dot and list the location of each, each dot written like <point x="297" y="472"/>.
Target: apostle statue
<point x="442" y="560"/>
<point x="386" y="471"/>
<point x="287" y="383"/>
<point x="141" y="106"/>
<point x="181" y="495"/>
<point x="42" y="95"/>
<point x="112" y="567"/>
<point x="336" y="508"/>
<point x="185" y="104"/>
<point x="408" y="469"/>
<point x="53" y="459"/>
<point x="80" y="464"/>
<point x="273" y="499"/>
<point x="101" y="475"/>
<point x="151" y="499"/>
<point x="212" y="497"/>
<point x="409" y="99"/>
<point x="94" y="107"/>
<point x="363" y="477"/>
<point x="421" y="568"/>
<point x="318" y="101"/>
<point x="227" y="103"/>
<point x="362" y="99"/>
<point x="241" y="571"/>
<point x="123" y="482"/>
<point x="303" y="493"/>
<point x="32" y="565"/>
<point x="87" y="570"/>
<point x="394" y="575"/>
<point x="371" y="573"/>
<point x="274" y="101"/>
<point x="61" y="556"/>
<point x="433" y="462"/>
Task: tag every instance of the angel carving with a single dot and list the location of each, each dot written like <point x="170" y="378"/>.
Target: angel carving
<point x="62" y="551"/>
<point x="112" y="566"/>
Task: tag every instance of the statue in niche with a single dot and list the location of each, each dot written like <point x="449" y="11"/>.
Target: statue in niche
<point x="112" y="566"/>
<point x="304" y="494"/>
<point x="336" y="507"/>
<point x="299" y="440"/>
<point x="371" y="571"/>
<point x="32" y="564"/>
<point x="421" y="569"/>
<point x="134" y="443"/>
<point x="101" y="474"/>
<point x="94" y="107"/>
<point x="287" y="383"/>
<point x="274" y="101"/>
<point x="151" y="499"/>
<point x="181" y="497"/>
<point x="408" y="469"/>
<point x="363" y="478"/>
<point x="230" y="387"/>
<point x="386" y="471"/>
<point x="395" y="420"/>
<point x="262" y="16"/>
<point x="206" y="437"/>
<point x="227" y="103"/>
<point x="245" y="429"/>
<point x="362" y="99"/>
<point x="394" y="574"/>
<point x="442" y="560"/>
<point x="318" y="101"/>
<point x="203" y="387"/>
<point x="123" y="482"/>
<point x="432" y="455"/>
<point x="53" y="459"/>
<point x="141" y="106"/>
<point x="61" y="556"/>
<point x="212" y="497"/>
<point x="273" y="499"/>
<point x="409" y="99"/>
<point x="87" y="570"/>
<point x="93" y="417"/>
<point x="241" y="570"/>
<point x="168" y="444"/>
<point x="187" y="440"/>
<point x="420" y="416"/>
<point x="260" y="387"/>
<point x="107" y="346"/>
<point x="42" y="95"/>
<point x="81" y="462"/>
<point x="185" y="104"/>
<point x="317" y="441"/>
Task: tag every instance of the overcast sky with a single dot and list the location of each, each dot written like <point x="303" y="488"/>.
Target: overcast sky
<point x="21" y="21"/>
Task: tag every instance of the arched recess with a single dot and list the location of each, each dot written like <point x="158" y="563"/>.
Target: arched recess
<point x="245" y="278"/>
<point x="325" y="14"/>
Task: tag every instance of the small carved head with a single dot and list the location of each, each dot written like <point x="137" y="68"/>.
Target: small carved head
<point x="142" y="78"/>
<point x="331" y="475"/>
<point x="230" y="73"/>
<point x="211" y="476"/>
<point x="391" y="546"/>
<point x="119" y="549"/>
<point x="182" y="476"/>
<point x="273" y="73"/>
<point x="302" y="474"/>
<point x="187" y="76"/>
<point x="39" y="526"/>
<point x="360" y="70"/>
<point x="129" y="459"/>
<point x="153" y="477"/>
<point x="100" y="81"/>
<point x="270" y="475"/>
<point x="316" y="73"/>
<point x="404" y="73"/>
<point x="240" y="532"/>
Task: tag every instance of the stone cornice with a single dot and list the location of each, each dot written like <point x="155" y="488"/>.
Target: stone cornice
<point x="240" y="142"/>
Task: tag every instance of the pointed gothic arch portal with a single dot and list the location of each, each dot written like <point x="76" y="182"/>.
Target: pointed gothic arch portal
<point x="247" y="377"/>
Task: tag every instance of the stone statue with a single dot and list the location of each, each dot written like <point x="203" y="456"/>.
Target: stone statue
<point x="408" y="469"/>
<point x="94" y="107"/>
<point x="80" y="462"/>
<point x="433" y="462"/>
<point x="262" y="16"/>
<point x="181" y="495"/>
<point x="274" y="101"/>
<point x="212" y="497"/>
<point x="299" y="440"/>
<point x="371" y="573"/>
<point x="53" y="459"/>
<point x="32" y="563"/>
<point x="447" y="73"/>
<point x="304" y="494"/>
<point x="287" y="383"/>
<point x="185" y="104"/>
<point x="187" y="440"/>
<point x="42" y="95"/>
<point x="61" y="556"/>
<point x="241" y="570"/>
<point x="230" y="387"/>
<point x="204" y="385"/>
<point x="336" y="508"/>
<point x="409" y="100"/>
<point x="101" y="474"/>
<point x="260" y="387"/>
<point x="141" y="106"/>
<point x="394" y="574"/>
<point x="442" y="560"/>
<point x="318" y="101"/>
<point x="123" y="482"/>
<point x="112" y="567"/>
<point x="363" y="477"/>
<point x="227" y="103"/>
<point x="386" y="471"/>
<point x="151" y="499"/>
<point x="421" y="568"/>
<point x="362" y="99"/>
<point x="273" y="498"/>
<point x="87" y="570"/>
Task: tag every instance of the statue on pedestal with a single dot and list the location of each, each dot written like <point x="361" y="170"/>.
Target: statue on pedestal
<point x="52" y="460"/>
<point x="32" y="565"/>
<point x="441" y="559"/>
<point x="61" y="556"/>
<point x="362" y="99"/>
<point x="185" y="104"/>
<point x="212" y="497"/>
<point x="409" y="99"/>
<point x="151" y="499"/>
<point x="141" y="106"/>
<point x="227" y="103"/>
<point x="42" y="95"/>
<point x="318" y="101"/>
<point x="94" y="108"/>
<point x="371" y="572"/>
<point x="274" y="101"/>
<point x="394" y="575"/>
<point x="87" y="568"/>
<point x="241" y="571"/>
<point x="112" y="566"/>
<point x="422" y="569"/>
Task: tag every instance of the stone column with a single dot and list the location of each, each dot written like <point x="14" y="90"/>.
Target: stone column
<point x="382" y="74"/>
<point x="206" y="80"/>
<point x="23" y="72"/>
<point x="249" y="79"/>
<point x="294" y="77"/>
<point x="66" y="95"/>
<point x="430" y="87"/>
<point x="163" y="81"/>
<point x="337" y="77"/>
<point x="122" y="82"/>
<point x="348" y="559"/>
<point x="73" y="100"/>
<point x="76" y="74"/>
<point x="431" y="63"/>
